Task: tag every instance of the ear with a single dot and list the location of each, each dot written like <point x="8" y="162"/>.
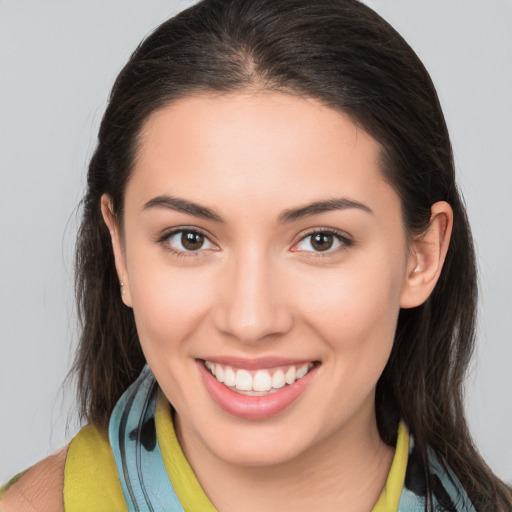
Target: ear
<point x="427" y="255"/>
<point x="107" y="210"/>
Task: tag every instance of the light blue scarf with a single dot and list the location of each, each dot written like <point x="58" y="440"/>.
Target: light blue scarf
<point x="140" y="466"/>
<point x="147" y="488"/>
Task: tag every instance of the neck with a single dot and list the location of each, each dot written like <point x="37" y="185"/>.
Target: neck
<point x="345" y="471"/>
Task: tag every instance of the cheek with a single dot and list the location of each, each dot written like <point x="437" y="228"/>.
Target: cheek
<point x="168" y="303"/>
<point x="355" y="309"/>
<point x="352" y="294"/>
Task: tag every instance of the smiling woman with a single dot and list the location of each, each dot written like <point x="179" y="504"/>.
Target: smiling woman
<point x="268" y="277"/>
<point x="268" y="273"/>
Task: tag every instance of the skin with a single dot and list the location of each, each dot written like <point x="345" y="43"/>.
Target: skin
<point x="40" y="488"/>
<point x="258" y="288"/>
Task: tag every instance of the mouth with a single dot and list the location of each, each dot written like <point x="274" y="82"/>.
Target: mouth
<point x="256" y="389"/>
<point x="258" y="382"/>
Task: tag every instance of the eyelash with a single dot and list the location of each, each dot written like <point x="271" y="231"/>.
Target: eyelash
<point x="342" y="239"/>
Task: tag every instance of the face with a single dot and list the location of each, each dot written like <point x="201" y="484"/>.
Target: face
<point x="265" y="259"/>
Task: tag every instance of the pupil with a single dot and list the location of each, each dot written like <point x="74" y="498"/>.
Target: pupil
<point x="322" y="241"/>
<point x="192" y="241"/>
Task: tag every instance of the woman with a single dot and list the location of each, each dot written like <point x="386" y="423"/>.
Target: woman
<point x="272" y="225"/>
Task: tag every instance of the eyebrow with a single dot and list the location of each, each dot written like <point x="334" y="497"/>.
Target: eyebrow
<point x="197" y="210"/>
<point x="184" y="206"/>
<point x="321" y="207"/>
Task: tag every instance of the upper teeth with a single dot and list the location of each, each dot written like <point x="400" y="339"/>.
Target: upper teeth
<point x="258" y="380"/>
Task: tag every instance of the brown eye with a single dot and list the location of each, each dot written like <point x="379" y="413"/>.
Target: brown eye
<point x="322" y="241"/>
<point x="191" y="241"/>
<point x="187" y="241"/>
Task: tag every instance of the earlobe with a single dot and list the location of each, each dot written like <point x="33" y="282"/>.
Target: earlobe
<point x="107" y="210"/>
<point x="427" y="256"/>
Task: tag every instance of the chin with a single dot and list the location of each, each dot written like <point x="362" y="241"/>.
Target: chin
<point x="260" y="454"/>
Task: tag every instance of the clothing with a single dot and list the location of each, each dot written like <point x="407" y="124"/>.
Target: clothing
<point x="84" y="491"/>
<point x="142" y="438"/>
<point x="139" y="465"/>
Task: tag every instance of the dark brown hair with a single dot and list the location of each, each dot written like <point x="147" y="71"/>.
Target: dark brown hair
<point x="344" y="54"/>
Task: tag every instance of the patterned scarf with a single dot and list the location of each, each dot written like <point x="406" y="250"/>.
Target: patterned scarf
<point x="147" y="488"/>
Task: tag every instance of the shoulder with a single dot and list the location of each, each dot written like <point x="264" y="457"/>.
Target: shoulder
<point x="40" y="488"/>
<point x="82" y="476"/>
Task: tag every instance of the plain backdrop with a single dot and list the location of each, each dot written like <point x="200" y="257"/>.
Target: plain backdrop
<point x="58" y="59"/>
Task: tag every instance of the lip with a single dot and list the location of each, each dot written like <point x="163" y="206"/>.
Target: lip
<point x="254" y="407"/>
<point x="262" y="363"/>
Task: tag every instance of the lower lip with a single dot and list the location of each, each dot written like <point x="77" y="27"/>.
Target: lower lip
<point x="254" y="407"/>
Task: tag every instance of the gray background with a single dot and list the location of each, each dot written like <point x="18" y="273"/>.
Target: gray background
<point x="58" y="59"/>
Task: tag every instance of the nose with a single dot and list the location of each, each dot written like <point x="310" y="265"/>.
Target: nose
<point x="253" y="303"/>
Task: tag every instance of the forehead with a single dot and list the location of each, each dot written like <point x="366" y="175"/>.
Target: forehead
<point x="271" y="145"/>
